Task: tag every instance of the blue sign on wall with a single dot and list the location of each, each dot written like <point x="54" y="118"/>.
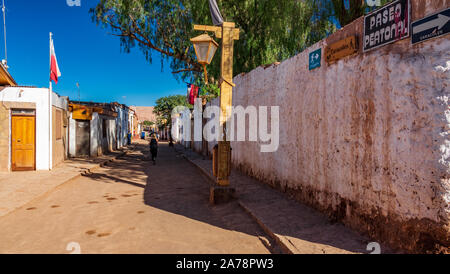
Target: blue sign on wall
<point x="431" y="26"/>
<point x="315" y="58"/>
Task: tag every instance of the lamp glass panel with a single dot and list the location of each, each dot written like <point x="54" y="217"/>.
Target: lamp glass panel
<point x="202" y="50"/>
<point x="212" y="51"/>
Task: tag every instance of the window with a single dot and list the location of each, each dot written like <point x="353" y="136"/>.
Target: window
<point x="59" y="125"/>
<point x="25" y="112"/>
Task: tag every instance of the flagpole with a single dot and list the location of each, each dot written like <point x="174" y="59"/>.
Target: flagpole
<point x="50" y="109"/>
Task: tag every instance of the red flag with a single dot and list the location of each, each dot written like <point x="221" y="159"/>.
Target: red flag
<point x="196" y="93"/>
<point x="54" y="68"/>
<point x="193" y="94"/>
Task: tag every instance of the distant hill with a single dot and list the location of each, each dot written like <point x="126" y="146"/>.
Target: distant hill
<point x="145" y="114"/>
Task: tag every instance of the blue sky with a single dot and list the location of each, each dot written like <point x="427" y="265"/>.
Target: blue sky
<point x="86" y="54"/>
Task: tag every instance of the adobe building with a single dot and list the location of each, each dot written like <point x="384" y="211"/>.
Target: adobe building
<point x="133" y="121"/>
<point x="31" y="137"/>
<point x="92" y="129"/>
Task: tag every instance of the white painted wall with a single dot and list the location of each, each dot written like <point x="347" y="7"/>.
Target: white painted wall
<point x="94" y="140"/>
<point x="131" y="120"/>
<point x="121" y="126"/>
<point x="96" y="135"/>
<point x="39" y="96"/>
<point x="112" y="137"/>
<point x="72" y="136"/>
<point x="176" y="128"/>
<point x="60" y="101"/>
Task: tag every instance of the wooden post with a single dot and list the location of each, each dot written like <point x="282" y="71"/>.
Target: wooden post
<point x="228" y="33"/>
<point x="226" y="98"/>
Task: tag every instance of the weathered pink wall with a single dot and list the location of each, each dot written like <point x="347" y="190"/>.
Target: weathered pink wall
<point x="364" y="140"/>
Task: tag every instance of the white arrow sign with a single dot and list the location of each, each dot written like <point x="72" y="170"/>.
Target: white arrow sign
<point x="439" y="22"/>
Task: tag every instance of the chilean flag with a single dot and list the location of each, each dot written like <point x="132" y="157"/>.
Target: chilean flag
<point x="54" y="68"/>
<point x="193" y="93"/>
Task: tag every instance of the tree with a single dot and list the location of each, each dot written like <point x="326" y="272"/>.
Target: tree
<point x="165" y="105"/>
<point x="345" y="16"/>
<point x="148" y="123"/>
<point x="152" y="25"/>
<point x="271" y="30"/>
<point x="357" y="9"/>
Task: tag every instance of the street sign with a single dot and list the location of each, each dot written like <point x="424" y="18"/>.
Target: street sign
<point x="315" y="58"/>
<point x="431" y="26"/>
<point x="386" y="25"/>
<point x="341" y="49"/>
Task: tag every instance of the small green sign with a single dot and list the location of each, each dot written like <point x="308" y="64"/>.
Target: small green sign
<point x="314" y="59"/>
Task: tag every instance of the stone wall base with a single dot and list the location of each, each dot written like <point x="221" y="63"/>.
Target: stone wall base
<point x="412" y="236"/>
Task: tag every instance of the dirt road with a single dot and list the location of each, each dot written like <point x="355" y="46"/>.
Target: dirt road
<point x="132" y="206"/>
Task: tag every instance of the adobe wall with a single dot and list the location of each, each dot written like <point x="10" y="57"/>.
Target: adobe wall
<point x="364" y="140"/>
<point x="59" y="145"/>
<point x="4" y="138"/>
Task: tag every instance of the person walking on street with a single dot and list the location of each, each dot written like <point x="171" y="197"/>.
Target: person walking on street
<point x="154" y="147"/>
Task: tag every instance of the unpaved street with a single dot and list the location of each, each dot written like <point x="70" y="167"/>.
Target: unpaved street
<point x="131" y="206"/>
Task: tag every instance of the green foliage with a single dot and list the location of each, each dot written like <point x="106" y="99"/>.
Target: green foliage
<point x="148" y="123"/>
<point x="271" y="30"/>
<point x="210" y="90"/>
<point x="164" y="107"/>
<point x="357" y="9"/>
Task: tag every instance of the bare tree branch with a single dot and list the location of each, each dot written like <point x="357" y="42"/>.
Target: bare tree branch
<point x="184" y="70"/>
<point x="136" y="34"/>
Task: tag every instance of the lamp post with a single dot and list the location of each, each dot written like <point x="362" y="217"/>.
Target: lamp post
<point x="222" y="155"/>
<point x="205" y="48"/>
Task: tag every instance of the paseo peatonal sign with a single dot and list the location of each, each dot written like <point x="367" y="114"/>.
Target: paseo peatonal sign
<point x="387" y="24"/>
<point x="341" y="49"/>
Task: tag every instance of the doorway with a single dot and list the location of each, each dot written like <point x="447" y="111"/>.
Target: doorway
<point x="83" y="132"/>
<point x="23" y="140"/>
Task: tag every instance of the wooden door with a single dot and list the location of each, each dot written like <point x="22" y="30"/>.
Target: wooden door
<point x="23" y="146"/>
